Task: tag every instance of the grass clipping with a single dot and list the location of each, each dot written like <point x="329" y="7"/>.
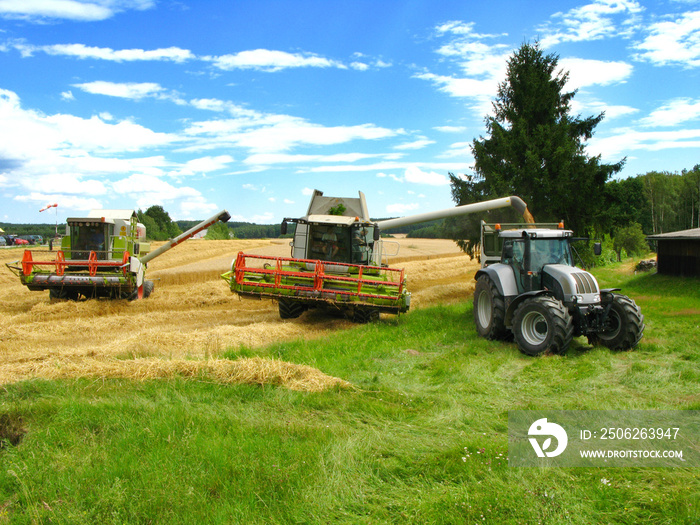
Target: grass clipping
<point x="254" y="370"/>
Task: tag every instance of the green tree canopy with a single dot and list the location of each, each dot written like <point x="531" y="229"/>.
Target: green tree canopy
<point x="535" y="147"/>
<point x="159" y="225"/>
<point x="219" y="231"/>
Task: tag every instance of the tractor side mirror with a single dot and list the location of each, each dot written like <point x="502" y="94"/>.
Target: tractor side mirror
<point x="283" y="228"/>
<point x="377" y="234"/>
<point x="597" y="248"/>
<point x="508" y="251"/>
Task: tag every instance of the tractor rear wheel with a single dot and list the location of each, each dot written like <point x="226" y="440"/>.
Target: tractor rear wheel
<point x="489" y="310"/>
<point x="623" y="327"/>
<point x="290" y="309"/>
<point x="542" y="324"/>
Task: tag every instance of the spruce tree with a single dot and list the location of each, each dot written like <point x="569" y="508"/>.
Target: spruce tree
<point x="535" y="148"/>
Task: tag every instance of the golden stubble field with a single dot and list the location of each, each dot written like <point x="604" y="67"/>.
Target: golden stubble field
<point x="191" y="317"/>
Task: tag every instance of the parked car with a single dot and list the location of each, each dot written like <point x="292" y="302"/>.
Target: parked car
<point x="19" y="241"/>
<point x="3" y="242"/>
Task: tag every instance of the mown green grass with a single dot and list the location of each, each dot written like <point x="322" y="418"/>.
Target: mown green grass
<point x="421" y="439"/>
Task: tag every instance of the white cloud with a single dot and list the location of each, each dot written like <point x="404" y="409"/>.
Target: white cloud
<point x="675" y="42"/>
<point x="400" y="209"/>
<point x="203" y="165"/>
<point x="459" y="149"/>
<point x="359" y="66"/>
<point x="381" y="167"/>
<point x="70" y="184"/>
<point x="196" y="208"/>
<point x="677" y="111"/>
<point x="130" y="90"/>
<point x="451" y="129"/>
<point x="68" y="157"/>
<point x="268" y="159"/>
<point x="270" y="60"/>
<point x="383" y="175"/>
<point x="81" y="11"/>
<point x="173" y="54"/>
<point x="594" y="21"/>
<point x="265" y="218"/>
<point x="628" y="139"/>
<point x="267" y="133"/>
<point x="65" y="202"/>
<point x="483" y="64"/>
<point x="307" y="191"/>
<point x="67" y="95"/>
<point x="148" y="191"/>
<point x="581" y="105"/>
<point x="586" y="72"/>
<point x="416" y="144"/>
<point x="415" y="175"/>
<point x="28" y="134"/>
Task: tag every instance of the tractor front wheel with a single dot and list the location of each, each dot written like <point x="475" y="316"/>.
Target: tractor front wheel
<point x="542" y="324"/>
<point x="489" y="310"/>
<point x="623" y="326"/>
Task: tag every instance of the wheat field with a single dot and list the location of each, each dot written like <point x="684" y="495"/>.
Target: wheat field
<point x="191" y="317"/>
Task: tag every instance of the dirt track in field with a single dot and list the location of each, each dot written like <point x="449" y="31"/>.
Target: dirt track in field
<point x="192" y="314"/>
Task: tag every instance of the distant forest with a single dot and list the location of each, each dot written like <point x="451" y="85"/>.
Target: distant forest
<point x="657" y="201"/>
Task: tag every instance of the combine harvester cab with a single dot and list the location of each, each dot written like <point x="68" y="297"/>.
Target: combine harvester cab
<point x="102" y="255"/>
<point x="338" y="261"/>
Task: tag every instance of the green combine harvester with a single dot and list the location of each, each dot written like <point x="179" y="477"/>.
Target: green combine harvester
<point x="102" y="255"/>
<point x="338" y="260"/>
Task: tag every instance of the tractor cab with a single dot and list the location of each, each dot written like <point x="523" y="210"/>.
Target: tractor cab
<point x="528" y="251"/>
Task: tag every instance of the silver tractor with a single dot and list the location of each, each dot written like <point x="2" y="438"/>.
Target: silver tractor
<point x="535" y="294"/>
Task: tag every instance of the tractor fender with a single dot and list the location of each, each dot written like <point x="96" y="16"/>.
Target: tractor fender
<point x="503" y="277"/>
<point x="518" y="300"/>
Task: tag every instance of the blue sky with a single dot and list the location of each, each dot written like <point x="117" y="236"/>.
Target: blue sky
<point x="248" y="105"/>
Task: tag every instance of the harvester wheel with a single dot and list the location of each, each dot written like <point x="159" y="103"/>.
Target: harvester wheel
<point x="290" y="309"/>
<point x="365" y="315"/>
<point x="489" y="310"/>
<point x="61" y="294"/>
<point x="623" y="327"/>
<point x="147" y="290"/>
<point x="542" y="323"/>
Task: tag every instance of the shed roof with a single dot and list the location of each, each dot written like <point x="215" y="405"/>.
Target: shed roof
<point x="693" y="233"/>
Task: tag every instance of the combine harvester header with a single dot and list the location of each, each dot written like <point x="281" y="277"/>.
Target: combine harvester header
<point x="338" y="260"/>
<point x="102" y="255"/>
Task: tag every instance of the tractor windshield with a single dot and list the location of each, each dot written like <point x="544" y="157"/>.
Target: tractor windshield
<point x="549" y="251"/>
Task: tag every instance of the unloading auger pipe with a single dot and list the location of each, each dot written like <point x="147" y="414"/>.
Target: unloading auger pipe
<point x="222" y="216"/>
<point x="464" y="209"/>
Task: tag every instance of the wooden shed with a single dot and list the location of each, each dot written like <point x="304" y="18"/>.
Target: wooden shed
<point x="678" y="253"/>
